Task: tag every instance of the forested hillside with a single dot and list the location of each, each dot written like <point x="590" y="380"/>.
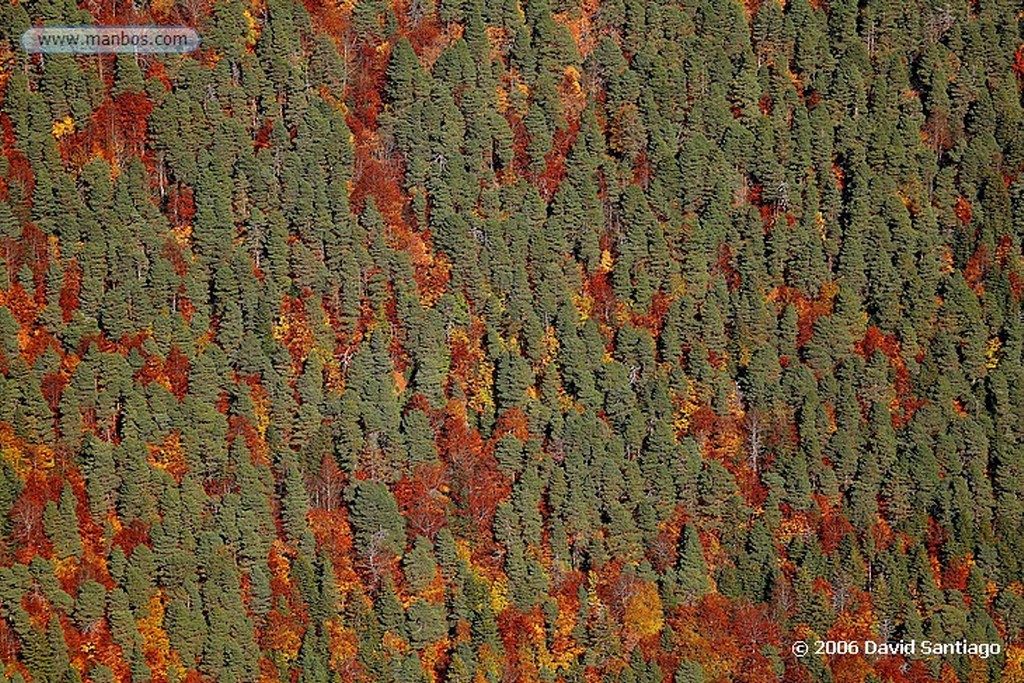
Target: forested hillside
<point x="464" y="341"/>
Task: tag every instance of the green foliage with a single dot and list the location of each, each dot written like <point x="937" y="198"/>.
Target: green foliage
<point x="466" y="341"/>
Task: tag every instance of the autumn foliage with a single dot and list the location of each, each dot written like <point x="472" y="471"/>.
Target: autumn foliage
<point x="466" y="342"/>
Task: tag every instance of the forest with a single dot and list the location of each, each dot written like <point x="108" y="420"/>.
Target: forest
<point x="513" y="341"/>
